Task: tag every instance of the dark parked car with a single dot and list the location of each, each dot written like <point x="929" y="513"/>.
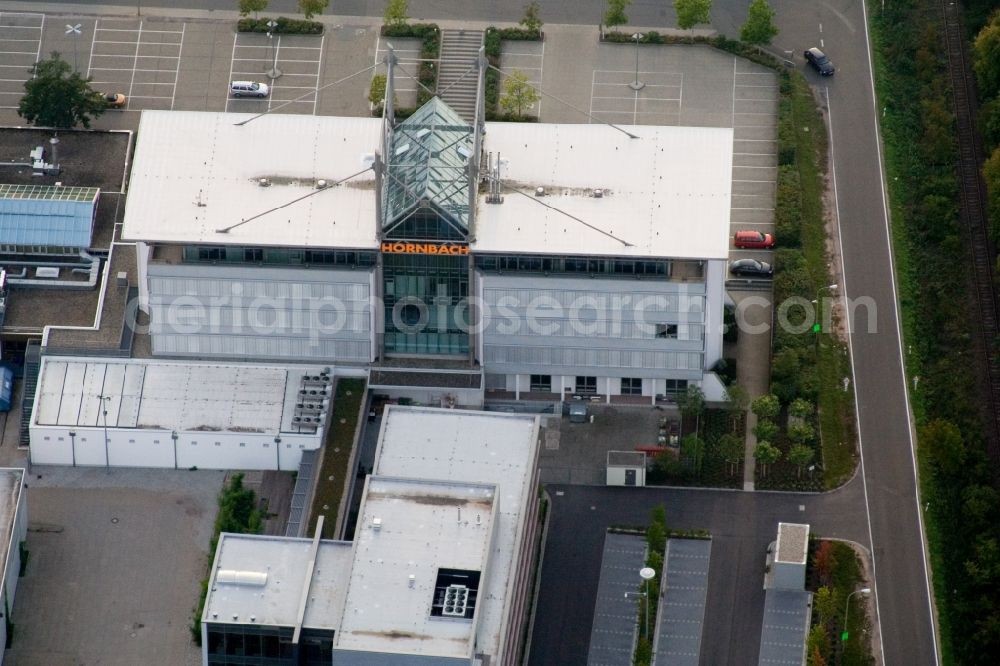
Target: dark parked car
<point x="750" y="268"/>
<point x="819" y="61"/>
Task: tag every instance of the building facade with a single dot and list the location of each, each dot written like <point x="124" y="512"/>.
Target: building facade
<point x="562" y="260"/>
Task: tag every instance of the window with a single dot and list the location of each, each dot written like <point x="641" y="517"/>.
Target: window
<point x="676" y="386"/>
<point x="631" y="385"/>
<point x="253" y="255"/>
<point x="586" y="385"/>
<point x="541" y="383"/>
<point x="666" y="331"/>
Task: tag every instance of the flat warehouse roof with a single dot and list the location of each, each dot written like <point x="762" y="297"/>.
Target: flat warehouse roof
<point x="164" y="395"/>
<point x="477" y="465"/>
<point x="665" y="194"/>
<point x="263" y="578"/>
<point x="196" y="172"/>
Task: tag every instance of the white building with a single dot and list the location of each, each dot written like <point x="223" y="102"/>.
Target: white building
<point x="137" y="413"/>
<point x="438" y="571"/>
<point x="14" y="526"/>
<point x="548" y="260"/>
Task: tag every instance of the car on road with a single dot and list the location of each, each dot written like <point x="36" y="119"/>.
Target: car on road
<point x="753" y="239"/>
<point x="248" y="89"/>
<point x="819" y="61"/>
<point x="750" y="268"/>
<point x="114" y="100"/>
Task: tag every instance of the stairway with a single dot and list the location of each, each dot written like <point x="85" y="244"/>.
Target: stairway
<point x="32" y="364"/>
<point x="459" y="49"/>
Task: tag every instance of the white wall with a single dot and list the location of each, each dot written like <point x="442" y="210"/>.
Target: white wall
<point x="155" y="448"/>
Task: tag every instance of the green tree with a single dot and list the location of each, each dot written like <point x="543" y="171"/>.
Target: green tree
<point x="58" y="97"/>
<point x="801" y="408"/>
<point x="766" y="407"/>
<point x="766" y="454"/>
<point x="944" y="441"/>
<point x="991" y="174"/>
<point x="801" y="432"/>
<point x="615" y="14"/>
<point x="732" y="448"/>
<point x="518" y="95"/>
<point x="759" y="27"/>
<point x="800" y="456"/>
<point x="825" y="604"/>
<point x="737" y="400"/>
<point x="395" y="12"/>
<point x="765" y="430"/>
<point x="531" y="20"/>
<point x="692" y="12"/>
<point x="310" y="8"/>
<point x="692" y="403"/>
<point x="818" y="646"/>
<point x="986" y="59"/>
<point x="255" y="6"/>
<point x="693" y="450"/>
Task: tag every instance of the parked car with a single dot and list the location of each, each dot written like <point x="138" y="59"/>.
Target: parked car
<point x="248" y="89"/>
<point x="753" y="239"/>
<point x="819" y="61"/>
<point x="750" y="268"/>
<point x="114" y="100"/>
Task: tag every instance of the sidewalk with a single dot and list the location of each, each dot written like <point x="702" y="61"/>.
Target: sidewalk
<point x="753" y="364"/>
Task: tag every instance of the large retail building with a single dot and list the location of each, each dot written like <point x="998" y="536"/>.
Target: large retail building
<point x="533" y="260"/>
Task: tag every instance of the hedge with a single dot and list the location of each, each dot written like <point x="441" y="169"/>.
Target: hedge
<point x="430" y="49"/>
<point x="286" y="26"/>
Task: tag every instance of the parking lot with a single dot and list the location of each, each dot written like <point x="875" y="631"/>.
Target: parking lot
<point x="139" y="59"/>
<point x="20" y="48"/>
<point x="297" y="60"/>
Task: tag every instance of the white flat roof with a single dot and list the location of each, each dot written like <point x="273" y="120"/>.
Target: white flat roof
<point x="11" y="484"/>
<point x="666" y="194"/>
<point x="283" y="561"/>
<point x="196" y="172"/>
<point x="423" y="526"/>
<point x="458" y="447"/>
<point x="793" y="543"/>
<point x="166" y="395"/>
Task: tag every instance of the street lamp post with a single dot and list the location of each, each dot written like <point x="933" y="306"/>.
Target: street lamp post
<point x="637" y="85"/>
<point x="847" y="608"/>
<point x="75" y="31"/>
<point x="274" y="72"/>
<point x="818" y="325"/>
<point x="646" y="574"/>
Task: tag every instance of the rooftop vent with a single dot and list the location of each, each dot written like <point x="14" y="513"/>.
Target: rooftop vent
<point x="376" y="523"/>
<point x="539" y="191"/>
<point x="264" y="182"/>
<point x="456" y="601"/>
<point x="320" y="184"/>
<point x="598" y="194"/>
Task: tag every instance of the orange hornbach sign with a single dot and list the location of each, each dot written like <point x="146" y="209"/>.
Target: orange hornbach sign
<point x="452" y="249"/>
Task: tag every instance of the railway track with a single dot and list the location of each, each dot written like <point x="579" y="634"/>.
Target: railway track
<point x="972" y="210"/>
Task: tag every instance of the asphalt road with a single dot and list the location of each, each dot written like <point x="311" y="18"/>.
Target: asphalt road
<point x="902" y="590"/>
<point x="742" y="524"/>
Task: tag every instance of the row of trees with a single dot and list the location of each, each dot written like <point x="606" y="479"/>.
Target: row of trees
<point x="309" y="8"/>
<point x="758" y="29"/>
<point x="958" y="482"/>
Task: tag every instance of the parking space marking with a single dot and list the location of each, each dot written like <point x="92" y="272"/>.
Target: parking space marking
<point x="302" y="68"/>
<point x="401" y="59"/>
<point x="108" y="61"/>
<point x="663" y="91"/>
<point x="20" y="37"/>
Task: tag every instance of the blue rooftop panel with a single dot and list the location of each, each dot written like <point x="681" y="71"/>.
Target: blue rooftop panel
<point x="47" y="216"/>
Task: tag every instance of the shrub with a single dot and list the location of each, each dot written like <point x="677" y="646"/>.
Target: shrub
<point x="286" y="26"/>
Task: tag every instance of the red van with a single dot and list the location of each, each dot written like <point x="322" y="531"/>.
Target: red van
<point x="753" y="239"/>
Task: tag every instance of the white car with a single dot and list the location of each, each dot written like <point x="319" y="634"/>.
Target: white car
<point x="248" y="89"/>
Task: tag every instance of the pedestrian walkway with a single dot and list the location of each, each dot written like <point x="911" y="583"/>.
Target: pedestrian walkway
<point x="458" y="75"/>
<point x="753" y="364"/>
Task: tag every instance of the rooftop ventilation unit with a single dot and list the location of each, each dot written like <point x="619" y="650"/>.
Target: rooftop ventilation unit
<point x="456" y="601"/>
<point x="320" y="184"/>
<point x="376" y="523"/>
<point x="598" y="194"/>
<point x="539" y="191"/>
<point x="264" y="182"/>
